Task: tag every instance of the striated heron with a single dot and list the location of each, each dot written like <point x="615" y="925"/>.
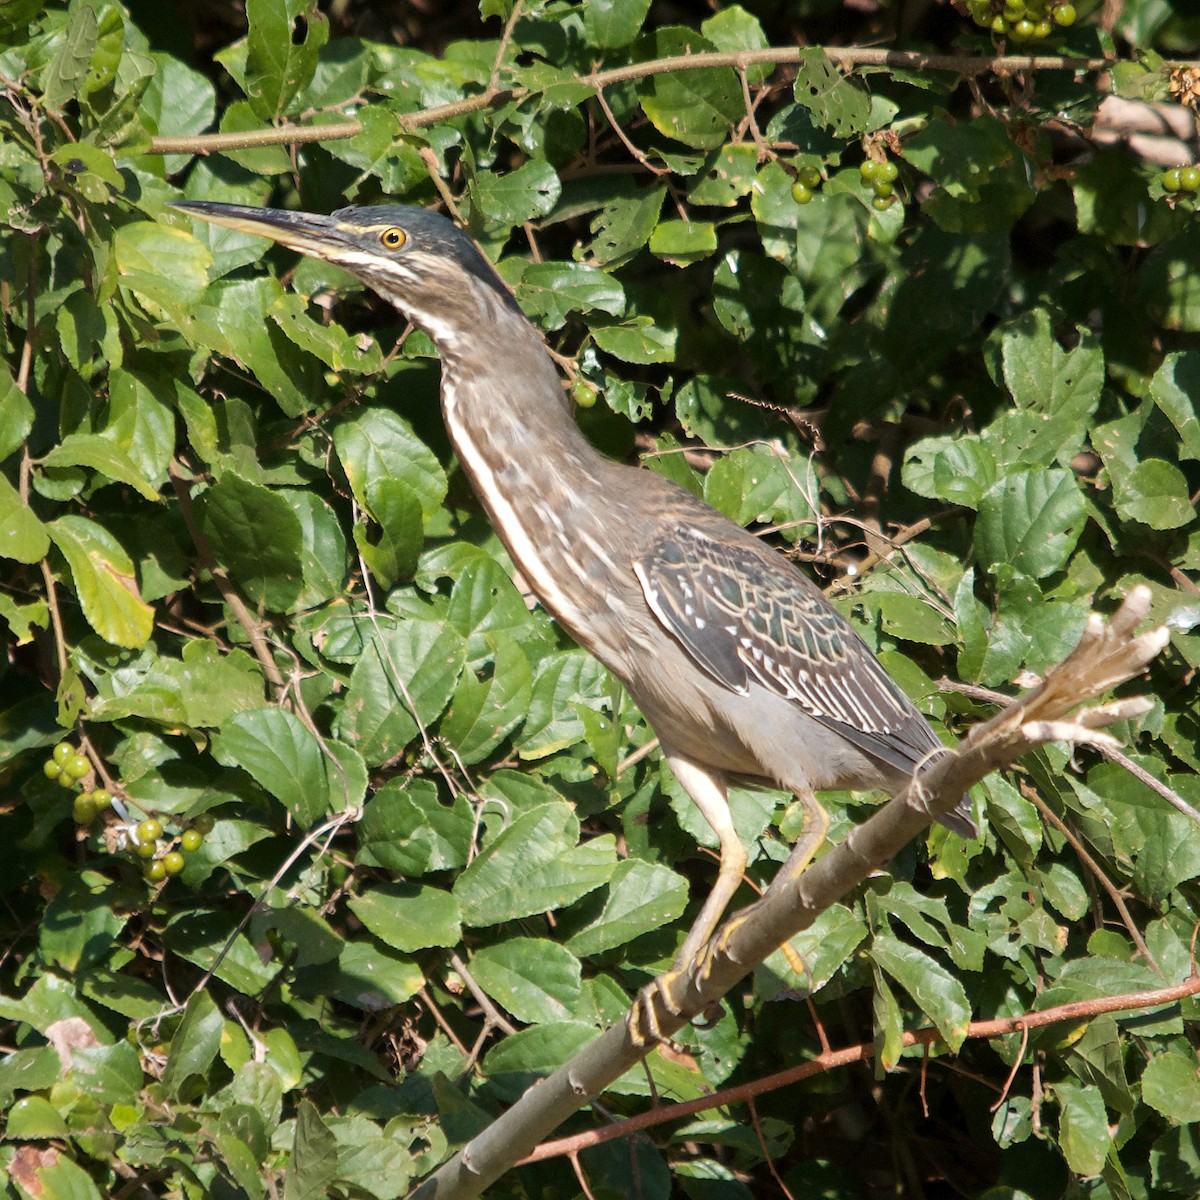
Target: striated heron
<point x="742" y="667"/>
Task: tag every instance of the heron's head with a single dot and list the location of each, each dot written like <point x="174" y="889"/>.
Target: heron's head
<point x="417" y="259"/>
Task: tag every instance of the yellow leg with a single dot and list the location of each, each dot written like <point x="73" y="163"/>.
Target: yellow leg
<point x="700" y="948"/>
<point x="708" y="792"/>
<point x="710" y="796"/>
<point x="811" y="839"/>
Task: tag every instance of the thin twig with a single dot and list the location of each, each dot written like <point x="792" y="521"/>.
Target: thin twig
<point x="968" y="65"/>
<point x="1114" y="893"/>
<point x="493" y="1014"/>
<point x="229" y="593"/>
<point x="1000" y="1027"/>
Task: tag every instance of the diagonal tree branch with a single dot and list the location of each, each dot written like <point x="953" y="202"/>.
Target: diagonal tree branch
<point x="1107" y="655"/>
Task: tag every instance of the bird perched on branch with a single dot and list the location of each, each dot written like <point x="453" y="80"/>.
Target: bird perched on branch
<point x="739" y="663"/>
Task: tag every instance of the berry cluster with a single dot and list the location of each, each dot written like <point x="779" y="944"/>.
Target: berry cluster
<point x="808" y="179"/>
<point x="160" y="855"/>
<point x="66" y="766"/>
<point x="1022" y="20"/>
<point x="1181" y="179"/>
<point x="880" y="177"/>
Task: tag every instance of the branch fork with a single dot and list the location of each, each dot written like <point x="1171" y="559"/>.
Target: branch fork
<point x="1108" y="654"/>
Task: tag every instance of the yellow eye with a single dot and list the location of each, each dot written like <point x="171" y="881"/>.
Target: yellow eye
<point x="393" y="238"/>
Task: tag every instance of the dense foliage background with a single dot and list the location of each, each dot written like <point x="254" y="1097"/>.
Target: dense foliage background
<point x="244" y="578"/>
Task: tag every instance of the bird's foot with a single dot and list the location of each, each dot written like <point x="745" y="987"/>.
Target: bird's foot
<point x="718" y="946"/>
<point x="654" y="1002"/>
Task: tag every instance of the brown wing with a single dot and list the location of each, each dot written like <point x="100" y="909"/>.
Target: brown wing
<point x="744" y="616"/>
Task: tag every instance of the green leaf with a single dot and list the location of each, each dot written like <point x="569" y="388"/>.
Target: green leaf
<point x="104" y="581"/>
<point x="52" y="1176"/>
<point x="1056" y="389"/>
<point x="16" y="414"/>
<point x="22" y="536"/>
<point x="483" y="712"/>
<point x="521" y="1059"/>
<point x="760" y="486"/>
<point x="195" y="1044"/>
<point x="376" y="445"/>
<point x="697" y="108"/>
<point x="403" y="681"/>
<point x="1173" y="387"/>
<point x="110" y="462"/>
<point x="533" y="865"/>
<point x="257" y="539"/>
<point x="937" y="993"/>
<point x="164" y="267"/>
<point x="642" y="897"/>
<point x="560" y="681"/>
<point x="79" y="925"/>
<point x="1031" y="521"/>
<point x="551" y="291"/>
<point x="610" y="24"/>
<point x="642" y="340"/>
<point x="313" y="1165"/>
<point x="34" y="1119"/>
<point x="1083" y="1134"/>
<point x="391" y="554"/>
<point x="68" y="68"/>
<point x="407" y="916"/>
<point x="1170" y="1085"/>
<point x="284" y="756"/>
<point x="623" y="226"/>
<point x="532" y="190"/>
<point x="829" y="96"/>
<point x="369" y="977"/>
<point x="329" y="342"/>
<point x="684" y="242"/>
<point x="406" y="829"/>
<point x="956" y="469"/>
<point x="1155" y="493"/>
<point x="536" y="980"/>
<point x="727" y="175"/>
<point x="281" y="52"/>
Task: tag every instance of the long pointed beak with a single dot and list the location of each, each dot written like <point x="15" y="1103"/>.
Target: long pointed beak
<point x="309" y="233"/>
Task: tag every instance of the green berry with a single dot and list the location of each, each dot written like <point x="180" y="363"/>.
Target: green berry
<point x="204" y="823"/>
<point x="883" y="189"/>
<point x="51" y="769"/>
<point x="868" y="170"/>
<point x="101" y="798"/>
<point x="810" y="177"/>
<point x="149" y="830"/>
<point x="173" y="862"/>
<point x="1189" y="178"/>
<point x="1023" y="30"/>
<point x="1042" y="29"/>
<point x="84" y="808"/>
<point x="77" y="766"/>
<point x="801" y="194"/>
<point x="882" y="203"/>
<point x="999" y="24"/>
<point x="146" y="850"/>
<point x="1064" y="15"/>
<point x="155" y="871"/>
<point x="583" y="394"/>
<point x="887" y="173"/>
<point x="62" y="752"/>
<point x="1172" y="181"/>
<point x="191" y="840"/>
<point x="65" y="780"/>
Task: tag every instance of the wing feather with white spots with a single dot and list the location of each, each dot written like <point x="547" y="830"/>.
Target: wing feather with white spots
<point x="744" y="617"/>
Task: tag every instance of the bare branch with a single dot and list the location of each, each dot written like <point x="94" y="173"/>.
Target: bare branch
<point x="1107" y="655"/>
